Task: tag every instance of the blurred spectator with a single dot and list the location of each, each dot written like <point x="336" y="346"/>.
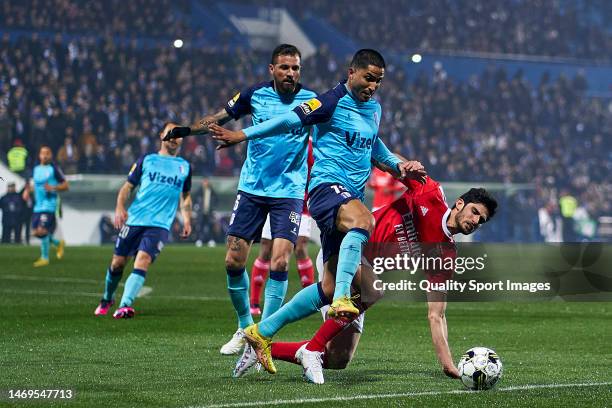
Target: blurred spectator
<point x="17" y="158"/>
<point x="550" y="223"/>
<point x="12" y="206"/>
<point x="108" y="233"/>
<point x="68" y="156"/>
<point x="205" y="204"/>
<point x="568" y="205"/>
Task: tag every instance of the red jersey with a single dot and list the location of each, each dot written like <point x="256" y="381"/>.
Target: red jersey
<point x="385" y="187"/>
<point x="310" y="162"/>
<point x="415" y="223"/>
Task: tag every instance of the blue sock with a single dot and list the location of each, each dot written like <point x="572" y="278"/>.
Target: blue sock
<point x="276" y="289"/>
<point x="132" y="287"/>
<point x="348" y="260"/>
<point x="238" y="287"/>
<point x="54" y="241"/>
<point x="112" y="280"/>
<point x="44" y="247"/>
<point x="306" y="302"/>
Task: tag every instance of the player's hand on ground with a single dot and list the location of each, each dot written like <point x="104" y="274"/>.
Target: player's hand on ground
<point x="177" y="133"/>
<point x="412" y="170"/>
<point x="120" y="217"/>
<point x="186" y="230"/>
<point x="225" y="136"/>
<point x="451" y="372"/>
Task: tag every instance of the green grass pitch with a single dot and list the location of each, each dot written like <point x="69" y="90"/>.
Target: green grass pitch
<point x="168" y="356"/>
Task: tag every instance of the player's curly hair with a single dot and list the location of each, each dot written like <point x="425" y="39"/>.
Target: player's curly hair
<point x="367" y="56"/>
<point x="284" y="49"/>
<point x="481" y="196"/>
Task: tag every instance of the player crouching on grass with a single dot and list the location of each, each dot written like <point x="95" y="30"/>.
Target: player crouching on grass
<point x="420" y="215"/>
<point x="164" y="180"/>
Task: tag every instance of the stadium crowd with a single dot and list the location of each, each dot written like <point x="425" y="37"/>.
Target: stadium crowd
<point x="99" y="104"/>
<point x="540" y="27"/>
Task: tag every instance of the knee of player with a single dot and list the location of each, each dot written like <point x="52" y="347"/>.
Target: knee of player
<point x="365" y="222"/>
<point x="117" y="264"/>
<point x="279" y="263"/>
<point x="338" y="360"/>
<point x="232" y="262"/>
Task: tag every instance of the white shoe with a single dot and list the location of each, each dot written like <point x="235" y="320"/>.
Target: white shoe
<point x="235" y="344"/>
<point x="312" y="361"/>
<point x="245" y="362"/>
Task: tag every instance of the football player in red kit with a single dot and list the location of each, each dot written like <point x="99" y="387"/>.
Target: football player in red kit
<point x="420" y="216"/>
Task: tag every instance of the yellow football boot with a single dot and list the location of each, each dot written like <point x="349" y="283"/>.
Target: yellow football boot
<point x="262" y="346"/>
<point x="343" y="307"/>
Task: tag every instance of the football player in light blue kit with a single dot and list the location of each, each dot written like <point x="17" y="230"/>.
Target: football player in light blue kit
<point x="165" y="181"/>
<point x="345" y="140"/>
<point x="272" y="181"/>
<point x="48" y="180"/>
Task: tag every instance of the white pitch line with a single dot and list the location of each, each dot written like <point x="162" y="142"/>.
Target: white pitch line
<point x="394" y="395"/>
<point x="92" y="294"/>
<point x="48" y="279"/>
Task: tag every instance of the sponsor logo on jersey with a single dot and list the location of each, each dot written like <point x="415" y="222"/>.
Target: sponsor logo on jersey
<point x="310" y="106"/>
<point x="357" y="141"/>
<point x="424" y="210"/>
<point x="233" y="101"/>
<point x="157" y="177"/>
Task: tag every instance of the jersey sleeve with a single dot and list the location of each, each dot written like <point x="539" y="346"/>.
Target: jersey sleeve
<point x="382" y="154"/>
<point x="321" y="108"/>
<point x="240" y="104"/>
<point x="58" y="174"/>
<point x="187" y="183"/>
<point x="136" y="172"/>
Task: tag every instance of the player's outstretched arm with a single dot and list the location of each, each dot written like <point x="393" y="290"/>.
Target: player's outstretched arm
<point x="439" y="332"/>
<point x="277" y="126"/>
<point x="120" y="211"/>
<point x="186" y="207"/>
<point x="200" y="127"/>
<point x="413" y="169"/>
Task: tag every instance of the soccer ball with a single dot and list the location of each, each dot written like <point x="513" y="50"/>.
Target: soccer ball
<point x="480" y="368"/>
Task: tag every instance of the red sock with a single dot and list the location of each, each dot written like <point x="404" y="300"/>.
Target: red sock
<point x="306" y="271"/>
<point x="258" y="278"/>
<point x="328" y="330"/>
<point x="286" y="351"/>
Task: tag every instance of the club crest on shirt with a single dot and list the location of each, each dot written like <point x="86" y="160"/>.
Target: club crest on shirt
<point x="181" y="169"/>
<point x="310" y="106"/>
<point x="376" y="119"/>
<point x="232" y="101"/>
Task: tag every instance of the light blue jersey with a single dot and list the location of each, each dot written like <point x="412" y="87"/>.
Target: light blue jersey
<point x="274" y="167"/>
<point x="46" y="201"/>
<point x="345" y="139"/>
<point x="161" y="179"/>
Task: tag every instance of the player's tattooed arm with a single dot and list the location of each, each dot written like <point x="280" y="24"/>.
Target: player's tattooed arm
<point x="201" y="126"/>
<point x="186" y="207"/>
<point x="120" y="211"/>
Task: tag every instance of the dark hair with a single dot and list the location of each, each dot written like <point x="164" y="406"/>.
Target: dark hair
<point x="367" y="56"/>
<point x="45" y="147"/>
<point x="284" y="49"/>
<point x="481" y="196"/>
